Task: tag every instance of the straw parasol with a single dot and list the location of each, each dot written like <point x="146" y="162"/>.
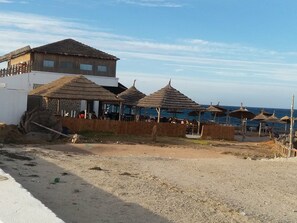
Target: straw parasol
<point x="286" y="119"/>
<point x="242" y="114"/>
<point x="167" y="98"/>
<point x="216" y="110"/>
<point x="261" y="117"/>
<point x="131" y="96"/>
<point x="198" y="113"/>
<point x="273" y="119"/>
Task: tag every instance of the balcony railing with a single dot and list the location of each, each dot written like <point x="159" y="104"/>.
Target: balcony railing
<point x="16" y="69"/>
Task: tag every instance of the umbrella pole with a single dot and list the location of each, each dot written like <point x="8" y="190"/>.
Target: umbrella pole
<point x="159" y="114"/>
<point x="199" y="118"/>
<point x="260" y="129"/>
<point x="120" y="111"/>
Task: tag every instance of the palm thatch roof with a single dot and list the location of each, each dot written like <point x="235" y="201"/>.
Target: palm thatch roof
<point x="15" y="53"/>
<point x="73" y="48"/>
<point x="273" y="119"/>
<point x="68" y="47"/>
<point x="286" y="119"/>
<point x="168" y="98"/>
<point x="242" y="113"/>
<point x="131" y="96"/>
<point x="215" y="109"/>
<point x="261" y="116"/>
<point x="75" y="87"/>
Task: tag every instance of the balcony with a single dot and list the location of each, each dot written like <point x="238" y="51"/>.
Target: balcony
<point x="16" y="69"/>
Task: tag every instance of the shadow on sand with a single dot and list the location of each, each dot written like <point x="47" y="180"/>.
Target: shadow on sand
<point x="70" y="197"/>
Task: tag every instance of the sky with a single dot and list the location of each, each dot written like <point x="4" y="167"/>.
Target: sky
<point x="214" y="51"/>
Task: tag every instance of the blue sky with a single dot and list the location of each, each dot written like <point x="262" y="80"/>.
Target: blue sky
<point x="227" y="51"/>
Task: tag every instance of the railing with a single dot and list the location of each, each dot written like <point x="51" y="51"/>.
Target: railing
<point x="16" y="69"/>
<point x="284" y="150"/>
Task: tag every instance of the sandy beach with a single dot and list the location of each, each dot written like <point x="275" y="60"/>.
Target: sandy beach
<point x="157" y="183"/>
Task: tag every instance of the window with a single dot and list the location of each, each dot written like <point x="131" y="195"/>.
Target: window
<point x="102" y="68"/>
<point x="86" y="67"/>
<point x="66" y="65"/>
<point x="48" y="63"/>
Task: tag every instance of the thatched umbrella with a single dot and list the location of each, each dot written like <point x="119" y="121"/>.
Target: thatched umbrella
<point x="273" y="119"/>
<point x="198" y="113"/>
<point x="131" y="96"/>
<point x="74" y="87"/>
<point x="261" y="117"/>
<point x="216" y="110"/>
<point x="168" y="98"/>
<point x="242" y="114"/>
<point x="286" y="119"/>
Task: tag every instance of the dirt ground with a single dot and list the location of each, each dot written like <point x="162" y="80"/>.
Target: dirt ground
<point x="205" y="182"/>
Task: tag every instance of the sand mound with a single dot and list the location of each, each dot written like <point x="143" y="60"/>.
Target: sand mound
<point x="10" y="134"/>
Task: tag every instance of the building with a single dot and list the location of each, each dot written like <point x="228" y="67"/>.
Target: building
<point x="28" y="68"/>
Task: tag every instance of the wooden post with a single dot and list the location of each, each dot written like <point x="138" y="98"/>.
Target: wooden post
<point x="291" y="128"/>
<point x="58" y="106"/>
<point x="120" y="111"/>
<point x="159" y="114"/>
<point x="199" y="123"/>
<point x="260" y="128"/>
<point x="46" y="102"/>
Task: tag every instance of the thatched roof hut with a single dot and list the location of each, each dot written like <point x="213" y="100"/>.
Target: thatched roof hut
<point x="131" y="96"/>
<point x="168" y="98"/>
<point x="74" y="87"/>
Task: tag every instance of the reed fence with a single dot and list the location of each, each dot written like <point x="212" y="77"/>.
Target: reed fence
<point x="218" y="132"/>
<point x="123" y="127"/>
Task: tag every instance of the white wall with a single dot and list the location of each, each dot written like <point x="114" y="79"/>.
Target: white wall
<point x="13" y="104"/>
<point x="14" y="90"/>
<point x="26" y="81"/>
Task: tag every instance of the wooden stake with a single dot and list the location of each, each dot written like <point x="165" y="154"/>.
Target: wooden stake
<point x="291" y="128"/>
<point x="260" y="128"/>
<point x="199" y="123"/>
<point x="120" y="111"/>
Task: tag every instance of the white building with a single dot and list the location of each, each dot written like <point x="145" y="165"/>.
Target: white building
<point x="29" y="68"/>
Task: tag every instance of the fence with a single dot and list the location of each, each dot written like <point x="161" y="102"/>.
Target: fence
<point x="217" y="132"/>
<point x="284" y="150"/>
<point x="16" y="69"/>
<point x="123" y="127"/>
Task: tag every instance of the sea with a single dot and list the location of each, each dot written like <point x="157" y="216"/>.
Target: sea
<point x="208" y="117"/>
